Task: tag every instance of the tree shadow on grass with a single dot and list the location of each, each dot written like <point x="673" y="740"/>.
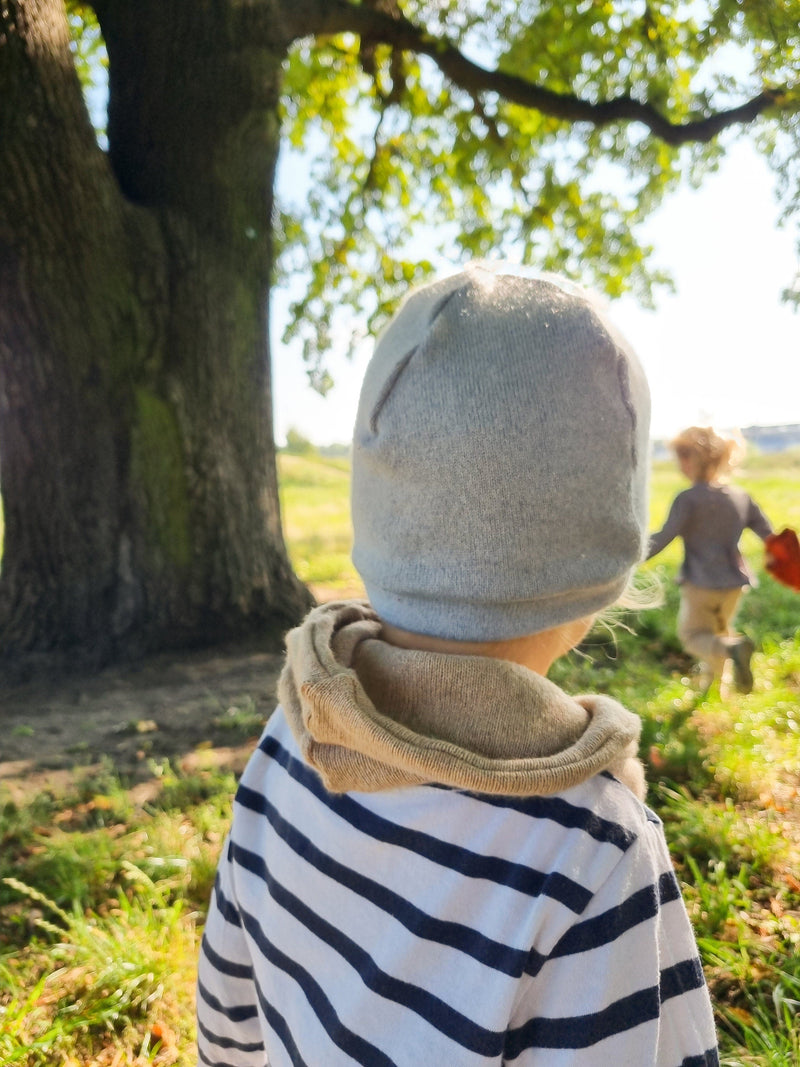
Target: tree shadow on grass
<point x="189" y="709"/>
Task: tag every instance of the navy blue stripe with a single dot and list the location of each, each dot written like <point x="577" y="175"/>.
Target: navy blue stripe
<point x="213" y="1063"/>
<point x="429" y="1007"/>
<point x="681" y="978"/>
<point x="274" y="1019"/>
<point x="206" y="1062"/>
<point x="281" y="1030"/>
<point x="219" y="963"/>
<point x="582" y="1031"/>
<point x="239" y="1014"/>
<point x="570" y="816"/>
<point x="361" y="1050"/>
<point x="515" y="876"/>
<point x="487" y="951"/>
<point x="668" y="888"/>
<point x="227" y="910"/>
<point x="229" y="1042"/>
<point x="602" y="929"/>
<point x="709" y="1058"/>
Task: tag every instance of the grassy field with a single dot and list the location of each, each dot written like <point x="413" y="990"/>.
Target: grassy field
<point x="102" y="898"/>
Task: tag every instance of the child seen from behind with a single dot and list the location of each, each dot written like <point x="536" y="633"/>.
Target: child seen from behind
<point x="710" y="517"/>
<point x="437" y="856"/>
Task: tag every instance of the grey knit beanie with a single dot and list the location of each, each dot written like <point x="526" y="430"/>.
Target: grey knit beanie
<point x="500" y="459"/>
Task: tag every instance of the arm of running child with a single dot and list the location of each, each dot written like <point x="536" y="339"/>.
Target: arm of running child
<point x="671" y="529"/>
<point x="228" y="1029"/>
<point x="625" y="984"/>
<point x="757" y="521"/>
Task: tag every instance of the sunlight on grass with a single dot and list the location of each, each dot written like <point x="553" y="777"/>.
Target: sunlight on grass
<point x="315" y="504"/>
<point x="97" y="959"/>
<point x="98" y="981"/>
<point x="102" y="899"/>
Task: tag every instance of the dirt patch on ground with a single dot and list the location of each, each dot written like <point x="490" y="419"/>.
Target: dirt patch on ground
<point x="189" y="709"/>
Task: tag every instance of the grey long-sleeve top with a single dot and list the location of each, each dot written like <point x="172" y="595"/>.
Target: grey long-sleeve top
<point x="710" y="519"/>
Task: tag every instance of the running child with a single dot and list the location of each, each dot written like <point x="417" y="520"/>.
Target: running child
<point x="710" y="517"/>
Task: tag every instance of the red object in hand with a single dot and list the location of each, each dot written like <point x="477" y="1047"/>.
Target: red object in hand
<point x="783" y="558"/>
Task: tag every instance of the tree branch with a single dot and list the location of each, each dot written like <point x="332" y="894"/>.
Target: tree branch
<point x="324" y="17"/>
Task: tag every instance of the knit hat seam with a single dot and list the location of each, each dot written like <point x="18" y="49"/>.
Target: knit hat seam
<point x="388" y="388"/>
<point x="623" y="376"/>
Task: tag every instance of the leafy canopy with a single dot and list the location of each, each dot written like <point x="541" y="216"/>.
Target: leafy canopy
<point x="406" y="166"/>
<point x="408" y="160"/>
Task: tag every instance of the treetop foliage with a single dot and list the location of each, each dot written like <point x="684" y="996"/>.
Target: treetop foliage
<point x="418" y="150"/>
<point x="543" y="131"/>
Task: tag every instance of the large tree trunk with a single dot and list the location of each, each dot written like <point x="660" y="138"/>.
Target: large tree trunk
<point x="136" y="458"/>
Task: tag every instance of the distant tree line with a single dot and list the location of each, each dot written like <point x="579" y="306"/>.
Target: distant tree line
<point x="299" y="445"/>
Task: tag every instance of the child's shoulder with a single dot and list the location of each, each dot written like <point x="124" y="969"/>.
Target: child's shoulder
<point x="602" y="810"/>
<point x="702" y="494"/>
<point x="686" y="497"/>
<point x="611" y="799"/>
<point x="730" y="496"/>
<point x="734" y="491"/>
<point x="613" y="830"/>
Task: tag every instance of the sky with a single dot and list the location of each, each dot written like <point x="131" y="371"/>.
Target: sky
<point x="722" y="351"/>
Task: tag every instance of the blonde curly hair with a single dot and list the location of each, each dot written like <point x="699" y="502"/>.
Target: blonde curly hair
<point x="715" y="455"/>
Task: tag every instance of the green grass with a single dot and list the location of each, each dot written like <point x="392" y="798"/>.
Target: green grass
<point x="102" y="900"/>
<point x="99" y="908"/>
<point x="315" y="504"/>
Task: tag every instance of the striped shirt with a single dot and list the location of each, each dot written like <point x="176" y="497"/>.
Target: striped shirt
<point x="432" y="926"/>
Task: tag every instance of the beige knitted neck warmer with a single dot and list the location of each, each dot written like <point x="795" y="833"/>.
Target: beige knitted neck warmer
<point x="368" y="716"/>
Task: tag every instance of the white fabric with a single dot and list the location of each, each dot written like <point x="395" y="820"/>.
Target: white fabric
<point x="426" y="925"/>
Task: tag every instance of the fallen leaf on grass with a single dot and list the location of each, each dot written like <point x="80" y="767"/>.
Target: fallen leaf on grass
<point x="163" y="1033"/>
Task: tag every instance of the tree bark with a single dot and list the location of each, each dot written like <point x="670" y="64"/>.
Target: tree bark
<point x="137" y="463"/>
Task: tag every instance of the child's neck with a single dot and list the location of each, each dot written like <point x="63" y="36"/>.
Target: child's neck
<point x="537" y="652"/>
